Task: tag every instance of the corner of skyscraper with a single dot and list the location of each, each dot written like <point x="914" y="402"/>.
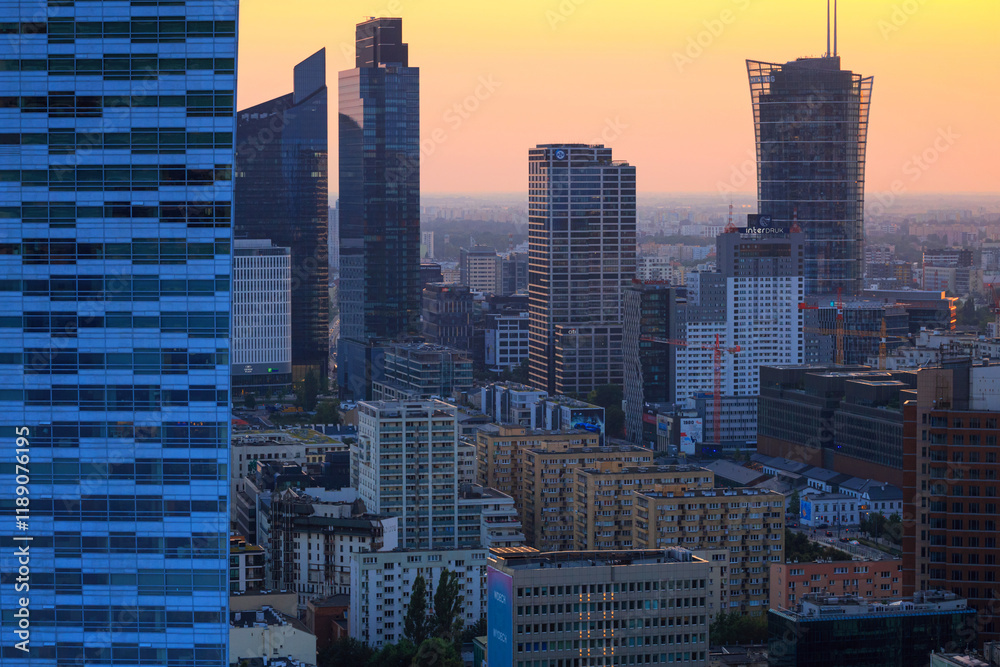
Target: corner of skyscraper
<point x="117" y="123"/>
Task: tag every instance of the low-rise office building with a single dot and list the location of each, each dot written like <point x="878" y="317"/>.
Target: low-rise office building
<point x="828" y="509"/>
<point x="599" y="608"/>
<point x="828" y="631"/>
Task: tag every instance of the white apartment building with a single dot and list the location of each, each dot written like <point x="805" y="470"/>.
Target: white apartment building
<point x="506" y="340"/>
<point x="408" y="462"/>
<point x="480" y="269"/>
<point x="261" y="354"/>
<point x="405" y="463"/>
<point x="381" y="585"/>
<point x="659" y="268"/>
<point x="750" y="309"/>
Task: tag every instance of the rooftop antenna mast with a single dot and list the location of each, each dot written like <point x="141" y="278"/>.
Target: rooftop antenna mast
<point x="827" y="28"/>
<point x="834" y="28"/>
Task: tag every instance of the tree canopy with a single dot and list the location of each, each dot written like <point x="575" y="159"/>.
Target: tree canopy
<point x="447" y="607"/>
<point x="417" y="624"/>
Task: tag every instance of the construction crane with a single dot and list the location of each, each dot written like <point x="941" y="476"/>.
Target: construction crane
<point x="840" y="332"/>
<point x="995" y="306"/>
<point x="717" y="350"/>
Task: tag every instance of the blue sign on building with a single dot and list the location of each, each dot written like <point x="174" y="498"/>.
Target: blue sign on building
<point x="499" y="619"/>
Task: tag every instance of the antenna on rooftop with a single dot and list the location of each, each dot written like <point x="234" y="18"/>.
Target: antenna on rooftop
<point x="835" y="28"/>
<point x="827" y="28"/>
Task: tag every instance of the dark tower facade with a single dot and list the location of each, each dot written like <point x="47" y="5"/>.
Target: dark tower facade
<point x="811" y="126"/>
<point x="379" y="123"/>
<point x="282" y="194"/>
<point x="581" y="257"/>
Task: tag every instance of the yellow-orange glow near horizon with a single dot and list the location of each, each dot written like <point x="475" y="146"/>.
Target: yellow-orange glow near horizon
<point x="661" y="81"/>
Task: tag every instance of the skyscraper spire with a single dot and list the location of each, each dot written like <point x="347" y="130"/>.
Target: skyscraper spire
<point x="835" y="28"/>
<point x="827" y="28"/>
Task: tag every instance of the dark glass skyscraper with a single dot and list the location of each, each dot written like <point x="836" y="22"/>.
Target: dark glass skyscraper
<point x="116" y="125"/>
<point x="379" y="202"/>
<point x="282" y="194"/>
<point x="811" y="124"/>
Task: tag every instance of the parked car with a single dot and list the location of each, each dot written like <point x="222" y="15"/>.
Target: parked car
<point x="829" y="534"/>
<point x="843" y="539"/>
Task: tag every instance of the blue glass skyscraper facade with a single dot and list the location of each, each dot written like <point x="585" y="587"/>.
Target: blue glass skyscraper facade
<point x="116" y="153"/>
<point x="379" y="125"/>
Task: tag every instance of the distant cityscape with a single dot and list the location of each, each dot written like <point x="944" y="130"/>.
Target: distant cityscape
<point x="257" y="416"/>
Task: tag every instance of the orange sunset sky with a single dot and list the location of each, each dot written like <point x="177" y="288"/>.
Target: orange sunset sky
<point x="661" y="81"/>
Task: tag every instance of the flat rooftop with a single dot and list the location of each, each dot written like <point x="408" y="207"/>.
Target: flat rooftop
<point x="722" y="492"/>
<point x="561" y="559"/>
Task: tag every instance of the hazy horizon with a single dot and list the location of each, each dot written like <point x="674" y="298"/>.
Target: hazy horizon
<point x="664" y="84"/>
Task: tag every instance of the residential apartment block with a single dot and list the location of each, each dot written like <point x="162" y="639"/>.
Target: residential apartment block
<point x="548" y="501"/>
<point x="407" y="463"/>
<point x="604" y="496"/>
<point x="951" y="484"/>
<point x="748" y="523"/>
<point x="381" y="584"/>
<point x="873" y="580"/>
<point x="500" y="453"/>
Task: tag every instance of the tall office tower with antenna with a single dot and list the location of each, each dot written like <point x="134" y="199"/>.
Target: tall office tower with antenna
<point x="811" y="126"/>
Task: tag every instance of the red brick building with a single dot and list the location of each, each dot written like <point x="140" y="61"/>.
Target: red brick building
<point x="951" y="487"/>
<point x="868" y="579"/>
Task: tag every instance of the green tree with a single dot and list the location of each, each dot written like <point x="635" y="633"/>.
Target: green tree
<point x="967" y="315"/>
<point x="417" y="624"/>
<point x="447" y="614"/>
<point x="736" y="628"/>
<point x="249" y="401"/>
<point x="794" y="504"/>
<point x="798" y="547"/>
<point x="345" y="652"/>
<point x="893" y="529"/>
<point x="477" y="629"/>
<point x="609" y="397"/>
<point x="327" y="412"/>
<point x="392" y="655"/>
<point x="308" y="391"/>
<point x="520" y="373"/>
<point x="437" y="652"/>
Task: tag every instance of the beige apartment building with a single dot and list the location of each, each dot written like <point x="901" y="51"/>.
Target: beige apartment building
<point x="499" y="447"/>
<point x="548" y="499"/>
<point x="748" y="523"/>
<point x="604" y="496"/>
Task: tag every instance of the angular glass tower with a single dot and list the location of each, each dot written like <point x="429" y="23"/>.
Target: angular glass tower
<point x="379" y="122"/>
<point x="811" y="124"/>
<point x="116" y="125"/>
<point x="282" y="194"/>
